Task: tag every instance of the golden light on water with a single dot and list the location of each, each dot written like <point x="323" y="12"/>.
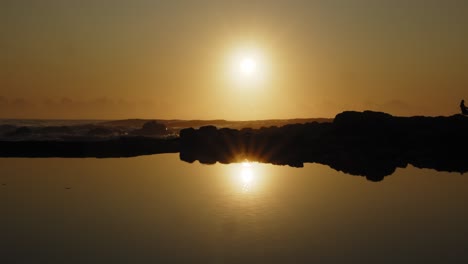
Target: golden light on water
<point x="246" y="176"/>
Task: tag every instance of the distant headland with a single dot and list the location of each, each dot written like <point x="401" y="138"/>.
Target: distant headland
<point x="370" y="144"/>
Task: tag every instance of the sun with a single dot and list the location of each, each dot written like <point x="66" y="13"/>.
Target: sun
<point x="248" y="66"/>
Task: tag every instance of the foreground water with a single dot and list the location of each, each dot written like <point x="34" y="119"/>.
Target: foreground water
<point x="158" y="209"/>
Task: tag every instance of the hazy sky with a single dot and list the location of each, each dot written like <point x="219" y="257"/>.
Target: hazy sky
<point x="178" y="59"/>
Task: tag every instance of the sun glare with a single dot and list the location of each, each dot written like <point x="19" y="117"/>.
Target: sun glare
<point x="248" y="66"/>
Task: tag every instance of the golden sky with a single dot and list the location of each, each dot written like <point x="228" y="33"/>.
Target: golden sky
<point x="180" y="59"/>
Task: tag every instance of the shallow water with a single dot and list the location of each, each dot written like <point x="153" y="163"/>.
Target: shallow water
<point x="158" y="208"/>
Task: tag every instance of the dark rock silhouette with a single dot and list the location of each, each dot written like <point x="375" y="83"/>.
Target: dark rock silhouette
<point x="370" y="144"/>
<point x="152" y="128"/>
<point x="100" y="131"/>
<point x="55" y="130"/>
<point x="110" y="148"/>
<point x="6" y="129"/>
<point x="21" y="131"/>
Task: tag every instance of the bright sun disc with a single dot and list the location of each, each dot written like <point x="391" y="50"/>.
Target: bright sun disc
<point x="248" y="66"/>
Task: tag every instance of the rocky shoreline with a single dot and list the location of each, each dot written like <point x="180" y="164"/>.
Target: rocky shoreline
<point x="370" y="144"/>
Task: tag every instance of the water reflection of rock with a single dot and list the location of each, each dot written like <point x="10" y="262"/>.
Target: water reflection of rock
<point x="369" y="144"/>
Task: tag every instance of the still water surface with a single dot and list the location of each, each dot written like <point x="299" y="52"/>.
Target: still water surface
<point x="159" y="209"/>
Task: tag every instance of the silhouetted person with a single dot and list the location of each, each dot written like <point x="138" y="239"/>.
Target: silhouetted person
<point x="463" y="108"/>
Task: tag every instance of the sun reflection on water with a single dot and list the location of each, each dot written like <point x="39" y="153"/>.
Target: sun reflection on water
<point x="247" y="176"/>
